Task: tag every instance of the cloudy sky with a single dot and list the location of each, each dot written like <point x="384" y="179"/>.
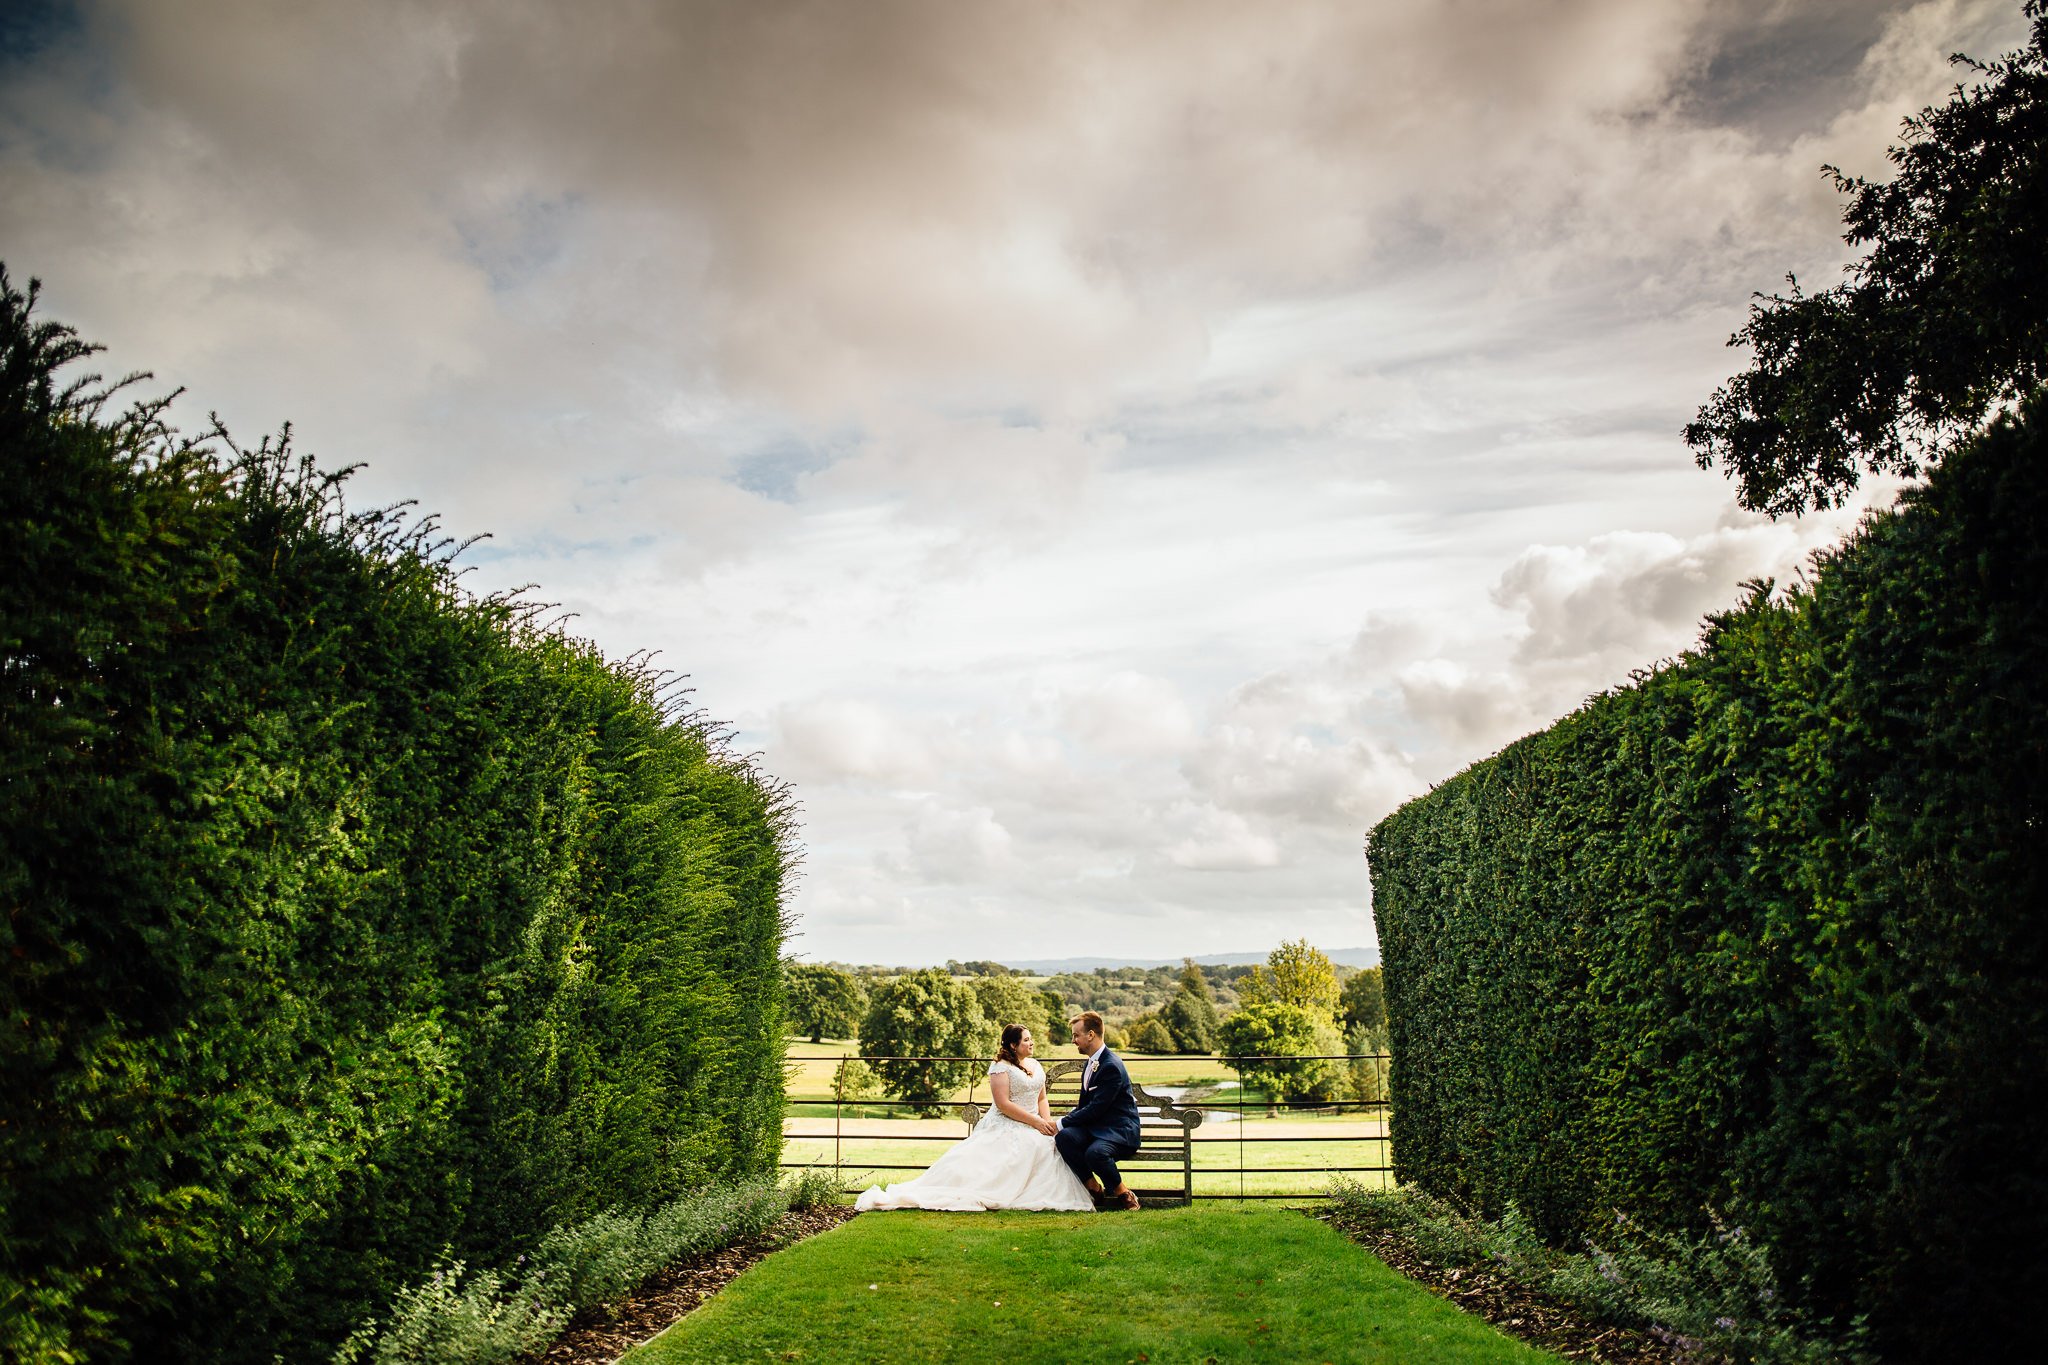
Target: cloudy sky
<point x="1105" y="455"/>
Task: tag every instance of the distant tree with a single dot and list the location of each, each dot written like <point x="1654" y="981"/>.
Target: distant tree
<point x="1191" y="1015"/>
<point x="1363" y="1002"/>
<point x="1365" y="1078"/>
<point x="1278" y="1034"/>
<point x="1147" y="1034"/>
<point x="1006" y="1000"/>
<point x="823" y="1001"/>
<point x="1056" y="1034"/>
<point x="1942" y="321"/>
<point x="1362" y="1012"/>
<point x="1294" y="974"/>
<point x="924" y="1014"/>
<point x="853" y="1080"/>
<point x="978" y="967"/>
<point x="1361" y="1038"/>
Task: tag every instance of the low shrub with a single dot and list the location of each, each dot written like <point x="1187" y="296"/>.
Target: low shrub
<point x="459" y="1317"/>
<point x="811" y="1188"/>
<point x="1435" y="1228"/>
<point x="600" y="1260"/>
<point x="1715" y="1296"/>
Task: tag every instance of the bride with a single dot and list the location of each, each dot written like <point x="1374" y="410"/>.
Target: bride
<point x="1008" y="1161"/>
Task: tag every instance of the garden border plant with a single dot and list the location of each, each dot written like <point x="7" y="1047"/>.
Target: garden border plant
<point x="487" y="1317"/>
<point x="1714" y="1296"/>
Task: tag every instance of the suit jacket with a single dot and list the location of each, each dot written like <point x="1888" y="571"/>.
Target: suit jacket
<point x="1106" y="1107"/>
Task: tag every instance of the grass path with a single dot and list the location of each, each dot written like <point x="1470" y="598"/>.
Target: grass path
<point x="1165" y="1286"/>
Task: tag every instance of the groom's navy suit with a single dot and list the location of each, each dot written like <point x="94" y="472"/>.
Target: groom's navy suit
<point x="1103" y="1125"/>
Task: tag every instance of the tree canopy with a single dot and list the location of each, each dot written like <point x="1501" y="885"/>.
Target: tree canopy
<point x="823" y="1001"/>
<point x="1363" y="1003"/>
<point x="1286" y="1037"/>
<point x="1295" y="974"/>
<point x="1007" y="1000"/>
<point x="921" y="1015"/>
<point x="1942" y="321"/>
<point x="1191" y="1015"/>
<point x="1147" y="1034"/>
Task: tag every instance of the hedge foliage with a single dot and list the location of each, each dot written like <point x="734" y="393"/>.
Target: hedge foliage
<point x="348" y="917"/>
<point x="1763" y="931"/>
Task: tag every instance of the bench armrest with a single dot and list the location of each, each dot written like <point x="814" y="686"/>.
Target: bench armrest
<point x="1187" y="1117"/>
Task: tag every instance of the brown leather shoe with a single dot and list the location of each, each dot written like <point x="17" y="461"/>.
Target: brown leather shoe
<point x="1122" y="1200"/>
<point x="1093" y="1186"/>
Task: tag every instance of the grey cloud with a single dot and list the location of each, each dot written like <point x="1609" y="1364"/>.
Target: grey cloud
<point x="891" y="196"/>
<point x="1107" y="455"/>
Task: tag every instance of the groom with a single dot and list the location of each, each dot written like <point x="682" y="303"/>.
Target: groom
<point x="1103" y="1125"/>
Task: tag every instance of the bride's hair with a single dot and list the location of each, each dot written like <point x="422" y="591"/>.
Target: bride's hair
<point x="1013" y="1035"/>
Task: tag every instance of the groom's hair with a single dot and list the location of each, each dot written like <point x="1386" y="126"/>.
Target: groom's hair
<point x="1089" y="1020"/>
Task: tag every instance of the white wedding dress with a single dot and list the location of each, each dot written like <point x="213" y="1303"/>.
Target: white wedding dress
<point x="1002" y="1164"/>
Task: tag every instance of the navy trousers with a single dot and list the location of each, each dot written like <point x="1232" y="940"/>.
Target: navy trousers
<point x="1092" y="1154"/>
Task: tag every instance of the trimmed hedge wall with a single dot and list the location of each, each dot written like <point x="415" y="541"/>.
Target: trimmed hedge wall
<point x="347" y="916"/>
<point x="1767" y="931"/>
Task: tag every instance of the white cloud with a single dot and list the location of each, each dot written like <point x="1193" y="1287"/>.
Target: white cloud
<point x="833" y="739"/>
<point x="1474" y="712"/>
<point x="951" y="846"/>
<point x="1636" y="595"/>
<point x="1221" y="841"/>
<point x="1128" y="713"/>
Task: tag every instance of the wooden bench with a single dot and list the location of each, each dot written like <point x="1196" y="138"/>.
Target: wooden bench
<point x="1166" y="1144"/>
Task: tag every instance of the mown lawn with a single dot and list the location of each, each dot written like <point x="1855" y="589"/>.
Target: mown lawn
<point x="1182" y="1285"/>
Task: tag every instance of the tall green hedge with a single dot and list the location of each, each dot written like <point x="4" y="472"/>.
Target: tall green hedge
<point x="347" y="916"/>
<point x="1766" y="930"/>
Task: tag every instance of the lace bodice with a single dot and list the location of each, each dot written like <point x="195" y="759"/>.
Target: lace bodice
<point x="1025" y="1083"/>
